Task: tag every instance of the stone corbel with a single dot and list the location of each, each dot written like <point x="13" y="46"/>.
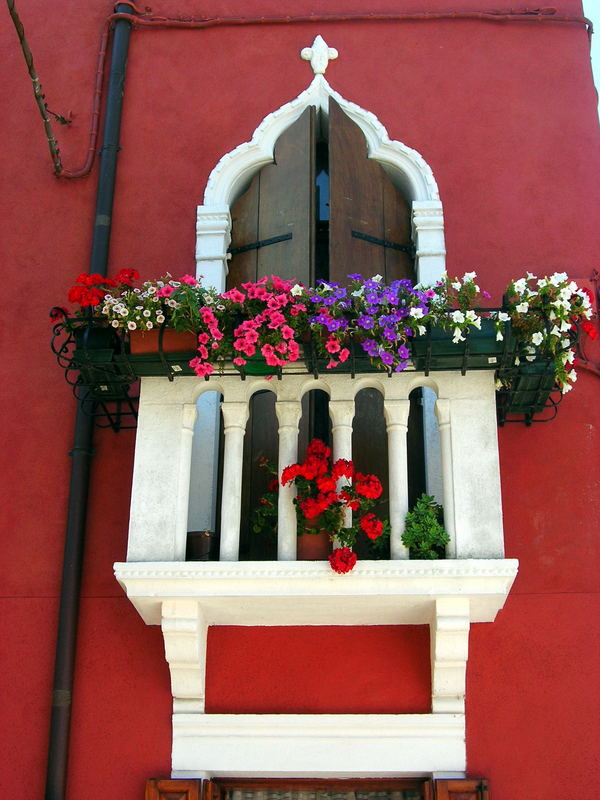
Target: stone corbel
<point x="449" y="632"/>
<point x="185" y="631"/>
<point x="213" y="236"/>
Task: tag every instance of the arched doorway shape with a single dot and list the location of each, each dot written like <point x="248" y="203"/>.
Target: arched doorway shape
<point x="406" y="168"/>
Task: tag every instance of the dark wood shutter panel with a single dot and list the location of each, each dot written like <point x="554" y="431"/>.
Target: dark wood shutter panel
<point x="279" y="201"/>
<point x="363" y="199"/>
<point x="461" y="789"/>
<point x="173" y="789"/>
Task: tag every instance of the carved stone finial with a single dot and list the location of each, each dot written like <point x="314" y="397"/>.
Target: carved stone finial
<point x="319" y="55"/>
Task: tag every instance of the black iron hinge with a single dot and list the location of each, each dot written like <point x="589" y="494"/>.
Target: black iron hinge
<point x="404" y="248"/>
<point x="262" y="243"/>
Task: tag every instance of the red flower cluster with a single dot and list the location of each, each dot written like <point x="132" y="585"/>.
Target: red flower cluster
<point x="318" y="496"/>
<point x="90" y="288"/>
<point x="342" y="560"/>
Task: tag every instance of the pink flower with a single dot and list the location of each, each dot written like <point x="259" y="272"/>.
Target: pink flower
<point x="287" y="332"/>
<point x="332" y="345"/>
<point x="200" y="368"/>
<point x="235" y="295"/>
<point x="343" y="354"/>
<point x="239" y="361"/>
<point x="190" y="280"/>
<point x="165" y="291"/>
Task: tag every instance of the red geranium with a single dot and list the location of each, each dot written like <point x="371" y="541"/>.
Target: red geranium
<point x="320" y="497"/>
<point x="342" y="560"/>
<point x="368" y="486"/>
<point x="372" y="526"/>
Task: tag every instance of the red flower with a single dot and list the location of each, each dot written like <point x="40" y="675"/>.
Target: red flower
<point x="311" y="508"/>
<point x="372" y="526"/>
<point x="127" y="276"/>
<point x="318" y="448"/>
<point x="290" y="473"/>
<point x="342" y="560"/>
<point x="312" y="466"/>
<point x="350" y="502"/>
<point x="343" y="468"/>
<point x="368" y="486"/>
<point x="590" y="329"/>
<point x="326" y="483"/>
<point x="273" y="485"/>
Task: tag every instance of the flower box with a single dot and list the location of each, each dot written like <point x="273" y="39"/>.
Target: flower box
<point x="531" y="388"/>
<point x="436" y="350"/>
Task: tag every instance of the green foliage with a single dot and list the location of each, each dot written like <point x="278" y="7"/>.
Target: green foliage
<point x="424" y="532"/>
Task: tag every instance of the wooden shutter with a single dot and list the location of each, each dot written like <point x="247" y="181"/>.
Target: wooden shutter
<point x="173" y="789"/>
<point x="279" y="201"/>
<point x="363" y="200"/>
<point x="462" y="789"/>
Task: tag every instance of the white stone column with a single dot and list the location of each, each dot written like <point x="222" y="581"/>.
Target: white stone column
<point x="288" y="413"/>
<point x="428" y="236"/>
<point x="342" y="415"/>
<point x="185" y="631"/>
<point x="449" y="632"/>
<point x="396" y="417"/>
<point x="213" y="235"/>
<point x="161" y="482"/>
<point x="235" y="416"/>
<point x="471" y="472"/>
<point x="442" y="410"/>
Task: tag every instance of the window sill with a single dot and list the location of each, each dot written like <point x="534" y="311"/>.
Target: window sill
<point x="309" y="593"/>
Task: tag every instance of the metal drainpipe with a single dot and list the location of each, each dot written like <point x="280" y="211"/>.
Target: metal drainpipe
<point x="81" y="453"/>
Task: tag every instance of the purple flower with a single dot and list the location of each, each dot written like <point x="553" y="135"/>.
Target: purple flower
<point x="403" y="352"/>
<point x="365" y="321"/>
<point x="485" y="294"/>
<point x="355" y="277"/>
<point x="400" y="366"/>
<point x="386" y="357"/>
<point x="390" y="334"/>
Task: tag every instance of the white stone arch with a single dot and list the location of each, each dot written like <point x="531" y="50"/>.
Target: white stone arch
<point x="231" y="176"/>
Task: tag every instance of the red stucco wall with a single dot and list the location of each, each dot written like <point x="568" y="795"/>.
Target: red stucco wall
<point x="505" y="115"/>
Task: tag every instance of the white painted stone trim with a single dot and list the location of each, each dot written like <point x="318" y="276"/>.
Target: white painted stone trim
<point x="310" y="745"/>
<point x="310" y="593"/>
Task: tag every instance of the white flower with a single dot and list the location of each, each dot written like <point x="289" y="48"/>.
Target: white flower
<point x="537" y="338"/>
<point x="520" y="286"/>
<point x="458" y="337"/>
<point x="517" y="361"/>
<point x="296" y="289"/>
<point x="555" y="332"/>
<point x="359" y="292"/>
<point x="570" y="356"/>
<point x="472" y="317"/>
<point x="458" y="316"/>
<point x="503" y="316"/>
<point x="499" y="336"/>
<point x="572" y="376"/>
<point x="377" y="278"/>
<point x="522" y="308"/>
<point x="558" y="278"/>
<point x="552" y="315"/>
<point x="123" y="312"/>
<point x="422" y="329"/>
<point x="131" y="325"/>
<point x="531" y="276"/>
<point x="469" y="276"/>
<point x="416" y="313"/>
<point x="531" y="356"/>
<point x="146" y="312"/>
<point x="151" y="290"/>
<point x="566" y="388"/>
<point x="542" y="282"/>
<point x="149" y="325"/>
<point x="160" y="318"/>
<point x="115" y="323"/>
<point x="565" y="326"/>
<point x="456" y="285"/>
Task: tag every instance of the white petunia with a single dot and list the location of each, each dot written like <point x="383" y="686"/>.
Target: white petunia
<point x="558" y="278"/>
<point x="537" y="338"/>
<point x="422" y="329"/>
<point x="566" y="388"/>
<point x="377" y="278"/>
<point x="416" y="313"/>
<point x="531" y="276"/>
<point x="131" y="325"/>
<point x="296" y="289"/>
<point x="499" y="336"/>
<point x="458" y="337"/>
<point x="456" y="285"/>
<point x="520" y="286"/>
<point x="570" y="356"/>
<point x="115" y="323"/>
<point x="458" y="316"/>
<point x="522" y="308"/>
<point x="572" y="376"/>
<point x="555" y="332"/>
<point x="565" y="326"/>
<point x="469" y="276"/>
<point x="503" y="316"/>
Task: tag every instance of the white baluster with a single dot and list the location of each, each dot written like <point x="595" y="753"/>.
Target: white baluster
<point x="442" y="411"/>
<point x="396" y="417"/>
<point x="235" y="416"/>
<point x="342" y="414"/>
<point x="288" y="413"/>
